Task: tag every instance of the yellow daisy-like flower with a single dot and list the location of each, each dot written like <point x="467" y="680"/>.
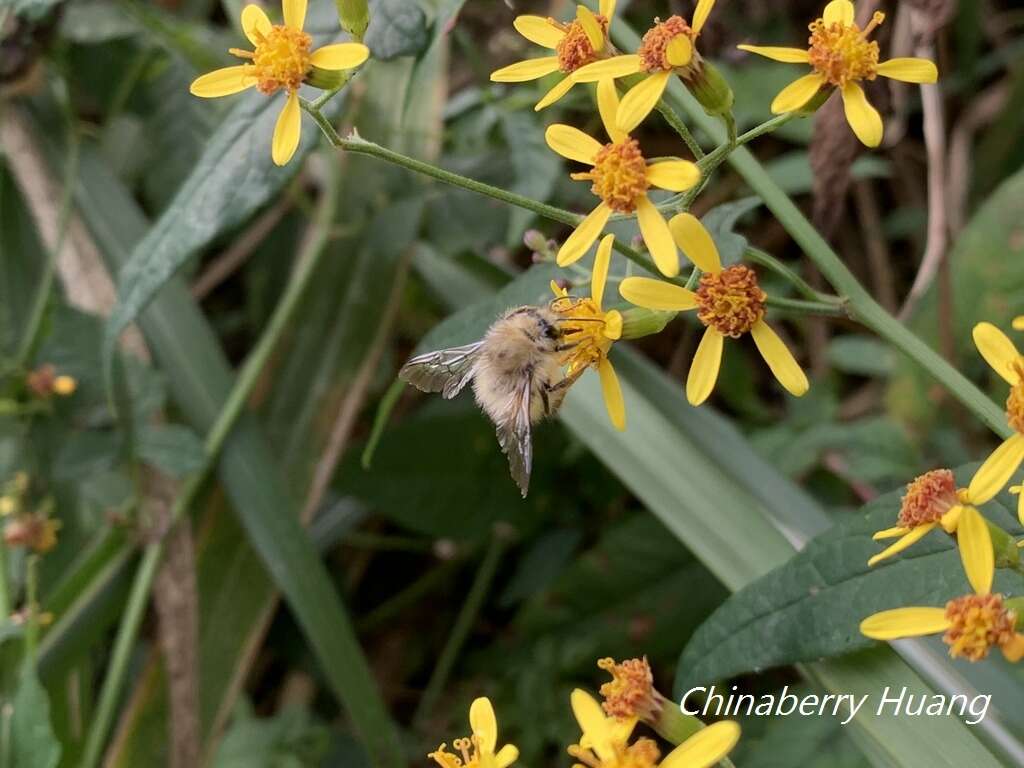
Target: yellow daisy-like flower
<point x="841" y="56"/>
<point x="576" y="44"/>
<point x="729" y="302"/>
<point x="621" y="177"/>
<point x="478" y="750"/>
<point x="933" y="500"/>
<point x="281" y="60"/>
<point x="588" y="332"/>
<point x="971" y="626"/>
<point x="605" y="741"/>
<point x="1001" y="353"/>
<point x="668" y="47"/>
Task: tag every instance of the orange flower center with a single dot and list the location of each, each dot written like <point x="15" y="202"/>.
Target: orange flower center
<point x="653" y="50"/>
<point x="575" y="49"/>
<point x="582" y="330"/>
<point x="620" y="175"/>
<point x="841" y="52"/>
<point x="979" y="622"/>
<point x="281" y="59"/>
<point x="1015" y="402"/>
<point x="928" y="498"/>
<point x="631" y="690"/>
<point x="641" y="754"/>
<point x="730" y="301"/>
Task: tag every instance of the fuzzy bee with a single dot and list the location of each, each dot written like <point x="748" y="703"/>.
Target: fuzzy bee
<point x="517" y="376"/>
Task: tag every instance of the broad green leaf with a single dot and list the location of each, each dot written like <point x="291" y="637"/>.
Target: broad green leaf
<point x="721" y="221"/>
<point x="290" y="739"/>
<point x="95" y="21"/>
<point x="397" y="28"/>
<point x="861" y="355"/>
<point x="174" y="449"/>
<point x="33" y="744"/>
<point x="792" y="171"/>
<point x="811" y="607"/>
<point x="21" y="256"/>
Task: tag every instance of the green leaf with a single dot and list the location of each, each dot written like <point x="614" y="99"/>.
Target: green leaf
<point x="33" y="742"/>
<point x="721" y="221"/>
<point x="861" y="355"/>
<point x="290" y="739"/>
<point x="830" y="588"/>
<point x="397" y="28"/>
<point x="175" y="449"/>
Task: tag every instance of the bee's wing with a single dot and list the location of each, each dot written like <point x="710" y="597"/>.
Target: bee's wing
<point x="514" y="436"/>
<point x="446" y="371"/>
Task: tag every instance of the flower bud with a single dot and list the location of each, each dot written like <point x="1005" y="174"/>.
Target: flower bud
<point x="638" y="322"/>
<point x="710" y="88"/>
<point x="354" y="16"/>
<point x="327" y="79"/>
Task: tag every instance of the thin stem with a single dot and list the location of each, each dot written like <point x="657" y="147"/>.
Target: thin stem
<point x="5" y="595"/>
<point x="768" y="261"/>
<point x="32" y="609"/>
<point x="680" y="127"/>
<point x="796" y="306"/>
<point x="218" y="434"/>
<point x="463" y="624"/>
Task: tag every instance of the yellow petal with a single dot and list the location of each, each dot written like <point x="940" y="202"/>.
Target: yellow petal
<point x="617" y="66"/>
<point x="975" y="542"/>
<point x="679" y="51"/>
<point x="583" y="237"/>
<point x="657" y="236"/>
<point x="607" y="8"/>
<point x="255" y="24"/>
<point x="522" y="71"/>
<point x="704" y="368"/>
<point x="909" y="70"/>
<point x="951" y="519"/>
<point x="613" y="401"/>
<point x="997" y="470"/>
<point x="674" y="175"/>
<point x="223" y="82"/>
<point x="612" y="325"/>
<point x="1018" y="323"/>
<point x="1020" y="507"/>
<point x="916" y="534"/>
<point x="890" y="533"/>
<point x="572" y="143"/>
<point x="599" y="276"/>
<point x="592" y="722"/>
<point x="506" y="756"/>
<point x="560" y="89"/>
<point x="657" y="294"/>
<point x="641" y="99"/>
<point x="608" y="106"/>
<point x="840" y="11"/>
<point x="997" y="349"/>
<point x="1013" y="649"/>
<point x="777" y="53"/>
<point x="700" y="15"/>
<point x="695" y="241"/>
<point x="781" y="361"/>
<point x="862" y="117"/>
<point x="286" y="132"/>
<point x="484" y="724"/>
<point x="590" y="26"/>
<point x="797" y="93"/>
<point x="340" y="56"/>
<point x="294" y="13"/>
<point x="706" y="747"/>
<point x="538" y="30"/>
<point x="905" y="622"/>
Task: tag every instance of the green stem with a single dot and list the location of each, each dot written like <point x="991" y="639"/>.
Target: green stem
<point x="796" y="306"/>
<point x="32" y="609"/>
<point x="680" y="127"/>
<point x="463" y="624"/>
<point x="218" y="434"/>
<point x="5" y="595"/>
<point x="765" y="259"/>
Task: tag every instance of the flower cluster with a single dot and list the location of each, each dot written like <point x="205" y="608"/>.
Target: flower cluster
<point x="975" y="623"/>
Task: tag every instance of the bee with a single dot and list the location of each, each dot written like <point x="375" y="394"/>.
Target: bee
<point x="517" y="375"/>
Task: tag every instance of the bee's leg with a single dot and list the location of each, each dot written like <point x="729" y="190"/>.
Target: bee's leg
<point x="567" y="347"/>
<point x="568" y="381"/>
<point x="544" y="389"/>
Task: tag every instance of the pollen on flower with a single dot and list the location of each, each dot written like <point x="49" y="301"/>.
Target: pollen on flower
<point x="32" y="531"/>
<point x="842" y="53"/>
<point x="653" y="50"/>
<point x="575" y="49"/>
<point x="582" y="327"/>
<point x="281" y="59"/>
<point x="631" y="690"/>
<point x="979" y="622"/>
<point x="619" y="175"/>
<point x="466" y="747"/>
<point x="730" y="301"/>
<point x="928" y="498"/>
<point x="1015" y="402"/>
<point x="643" y="753"/>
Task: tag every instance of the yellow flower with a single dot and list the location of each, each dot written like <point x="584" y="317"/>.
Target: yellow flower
<point x="729" y="302"/>
<point x="1018" y="323"/>
<point x="933" y="500"/>
<point x="621" y="177"/>
<point x="281" y="60"/>
<point x="841" y="57"/>
<point x="45" y="382"/>
<point x="588" y="332"/>
<point x="630" y="695"/>
<point x="478" y="750"/>
<point x="33" y="531"/>
<point x="971" y="626"/>
<point x="575" y="43"/>
<point x="667" y="48"/>
<point x="605" y="741"/>
<point x="1000" y="353"/>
